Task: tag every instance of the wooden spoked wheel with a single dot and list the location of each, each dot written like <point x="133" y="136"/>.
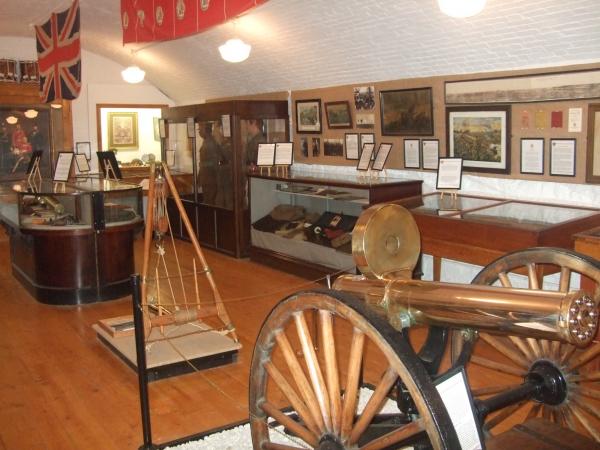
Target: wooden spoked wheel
<point x="512" y="358"/>
<point x="314" y="351"/>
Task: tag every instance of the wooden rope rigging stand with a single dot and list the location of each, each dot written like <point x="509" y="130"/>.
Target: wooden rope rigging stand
<point x="157" y="225"/>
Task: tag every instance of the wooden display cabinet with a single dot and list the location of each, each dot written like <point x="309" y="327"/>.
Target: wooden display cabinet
<point x="209" y="150"/>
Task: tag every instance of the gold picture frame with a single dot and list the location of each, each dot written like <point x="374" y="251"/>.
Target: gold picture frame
<point x="123" y="130"/>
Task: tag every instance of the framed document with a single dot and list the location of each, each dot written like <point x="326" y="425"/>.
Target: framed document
<point x="84" y="148"/>
<point x="352" y="146"/>
<point x="457" y="399"/>
<point x="366" y="138"/>
<point x="82" y="163"/>
<point x="108" y="163"/>
<point x="365" y="156"/>
<point x="63" y="166"/>
<point x="449" y="174"/>
<point x="283" y="153"/>
<point x="162" y="128"/>
<point x="532" y="155"/>
<point x="382" y="154"/>
<point x="266" y="155"/>
<point x="430" y="149"/>
<point x="36" y="157"/>
<point x="411" y="154"/>
<point x="191" y="127"/>
<point x="562" y="157"/>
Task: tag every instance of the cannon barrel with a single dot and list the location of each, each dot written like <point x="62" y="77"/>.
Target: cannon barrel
<point x="569" y="317"/>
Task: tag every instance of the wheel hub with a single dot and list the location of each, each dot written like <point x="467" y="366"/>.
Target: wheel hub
<point x="552" y="386"/>
<point x="330" y="443"/>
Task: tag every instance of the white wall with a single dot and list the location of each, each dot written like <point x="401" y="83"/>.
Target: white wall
<point x="101" y="83"/>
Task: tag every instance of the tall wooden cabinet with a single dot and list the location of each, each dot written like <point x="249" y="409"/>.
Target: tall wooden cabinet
<point x="209" y="149"/>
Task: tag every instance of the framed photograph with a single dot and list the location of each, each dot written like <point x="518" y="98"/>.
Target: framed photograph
<point x="449" y="174"/>
<point x="82" y="163"/>
<point x="480" y="136"/>
<point x="63" y="166"/>
<point x="352" y="148"/>
<point x="304" y="146"/>
<point x="562" y="157"/>
<point x="593" y="144"/>
<point x="266" y="155"/>
<point x="338" y="114"/>
<point x="532" y="155"/>
<point x="308" y="116"/>
<point x="365" y="120"/>
<point x="284" y="153"/>
<point x="365" y="157"/>
<point x="430" y="150"/>
<point x="366" y="138"/>
<point x="316" y="147"/>
<point x="123" y="130"/>
<point x="162" y="128"/>
<point x="333" y="147"/>
<point x="411" y="154"/>
<point x="364" y="98"/>
<point x="382" y="155"/>
<point x="84" y="148"/>
<point x="191" y="127"/>
<point x="406" y="112"/>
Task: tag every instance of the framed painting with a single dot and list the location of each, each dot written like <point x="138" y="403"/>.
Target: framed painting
<point x="308" y="116"/>
<point x="480" y="136"/>
<point x="406" y="112"/>
<point x="338" y="114"/>
<point x="593" y="145"/>
<point x="123" y="130"/>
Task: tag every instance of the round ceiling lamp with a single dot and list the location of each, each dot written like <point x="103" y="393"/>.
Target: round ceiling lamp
<point x="56" y="105"/>
<point x="461" y="8"/>
<point x="235" y="50"/>
<point x="133" y="74"/>
<point x="31" y="113"/>
<point x="11" y="120"/>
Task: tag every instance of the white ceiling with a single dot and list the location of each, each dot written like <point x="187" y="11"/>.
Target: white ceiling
<point x="300" y="44"/>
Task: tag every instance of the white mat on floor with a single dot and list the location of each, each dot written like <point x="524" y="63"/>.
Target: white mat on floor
<point x="238" y="438"/>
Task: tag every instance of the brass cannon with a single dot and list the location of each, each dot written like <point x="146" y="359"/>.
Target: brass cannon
<point x="529" y="351"/>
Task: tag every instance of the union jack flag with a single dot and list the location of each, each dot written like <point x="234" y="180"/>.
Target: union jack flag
<point x="59" y="55"/>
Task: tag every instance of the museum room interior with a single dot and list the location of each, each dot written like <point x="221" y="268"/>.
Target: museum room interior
<point x="280" y="224"/>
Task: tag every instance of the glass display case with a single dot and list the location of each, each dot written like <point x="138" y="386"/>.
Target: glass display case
<point x="72" y="243"/>
<point x="304" y="221"/>
<point x="209" y="150"/>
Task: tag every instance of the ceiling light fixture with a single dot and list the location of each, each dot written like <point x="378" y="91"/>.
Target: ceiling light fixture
<point x="235" y="50"/>
<point x="461" y="8"/>
<point x="56" y="105"/>
<point x="31" y="113"/>
<point x="133" y="74"/>
<point x="11" y="120"/>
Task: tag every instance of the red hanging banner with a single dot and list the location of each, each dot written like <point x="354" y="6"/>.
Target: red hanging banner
<point x="162" y="20"/>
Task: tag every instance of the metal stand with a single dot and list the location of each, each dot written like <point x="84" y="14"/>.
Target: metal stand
<point x="138" y="321"/>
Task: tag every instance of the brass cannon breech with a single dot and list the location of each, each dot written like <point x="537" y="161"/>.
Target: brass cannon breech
<point x="569" y="317"/>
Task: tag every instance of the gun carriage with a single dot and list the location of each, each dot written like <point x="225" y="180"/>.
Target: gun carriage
<point x="535" y="347"/>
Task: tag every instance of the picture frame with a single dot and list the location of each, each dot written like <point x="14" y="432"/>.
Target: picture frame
<point x="365" y="138"/>
<point x="449" y="173"/>
<point x="62" y="170"/>
<point x="123" y="130"/>
<point x="284" y="153"/>
<point x="480" y="136"/>
<point x="162" y="128"/>
<point x="406" y="112"/>
<point x="562" y="157"/>
<point x="333" y="147"/>
<point x="532" y="155"/>
<point x="592" y="173"/>
<point x="266" y="155"/>
<point x="365" y="157"/>
<point x="84" y="148"/>
<point x="412" y="158"/>
<point x="351" y="146"/>
<point x="430" y="153"/>
<point x="156" y="128"/>
<point x="383" y="152"/>
<point x="82" y="163"/>
<point x="338" y="115"/>
<point x="308" y="116"/>
<point x="316" y="147"/>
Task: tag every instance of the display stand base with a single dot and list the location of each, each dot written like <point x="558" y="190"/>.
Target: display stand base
<point x="178" y="355"/>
